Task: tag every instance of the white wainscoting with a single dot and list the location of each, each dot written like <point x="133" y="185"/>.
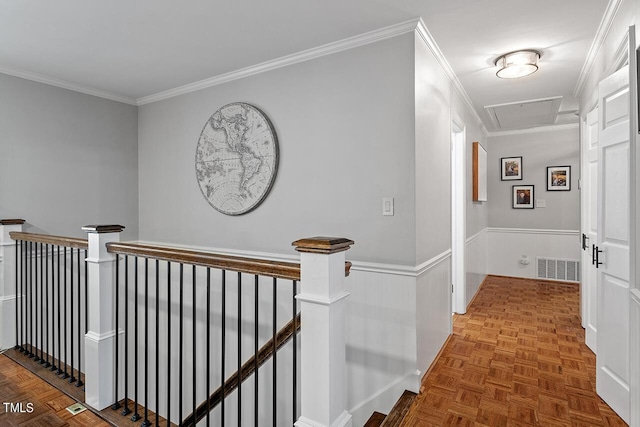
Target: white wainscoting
<point x="506" y="246"/>
<point x="476" y="262"/>
<point x="398" y="318"/>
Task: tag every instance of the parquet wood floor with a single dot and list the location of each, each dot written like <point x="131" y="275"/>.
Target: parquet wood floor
<point x="516" y="358"/>
<point x="18" y="385"/>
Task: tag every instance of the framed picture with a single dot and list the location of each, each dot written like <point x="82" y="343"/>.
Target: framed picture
<point x="510" y="168"/>
<point x="523" y="197"/>
<point x="479" y="173"/>
<point x="558" y="178"/>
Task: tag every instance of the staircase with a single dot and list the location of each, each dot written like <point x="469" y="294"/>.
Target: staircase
<point x="397" y="414"/>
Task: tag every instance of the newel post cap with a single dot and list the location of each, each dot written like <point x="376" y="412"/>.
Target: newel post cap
<point x="103" y="228"/>
<point x="323" y="245"/>
<point x="11" y="221"/>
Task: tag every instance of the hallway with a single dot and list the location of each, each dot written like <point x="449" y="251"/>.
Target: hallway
<point x="516" y="358"/>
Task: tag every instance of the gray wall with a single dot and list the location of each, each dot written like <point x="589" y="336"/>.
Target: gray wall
<point x="345" y="125"/>
<point x="66" y="159"/>
<point x="538" y="150"/>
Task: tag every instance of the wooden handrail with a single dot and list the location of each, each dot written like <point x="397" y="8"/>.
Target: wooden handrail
<point x="282" y="270"/>
<point x="70" y="242"/>
<point x="266" y="351"/>
<point x="279" y="269"/>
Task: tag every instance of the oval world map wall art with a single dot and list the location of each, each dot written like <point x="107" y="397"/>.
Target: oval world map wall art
<point x="236" y="158"/>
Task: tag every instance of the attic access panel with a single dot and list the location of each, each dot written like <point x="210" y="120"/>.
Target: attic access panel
<point x="524" y="114"/>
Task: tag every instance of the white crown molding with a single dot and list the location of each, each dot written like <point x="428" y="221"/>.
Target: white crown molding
<point x="550" y="128"/>
<point x="620" y="57"/>
<point x="41" y="78"/>
<point x="305" y="55"/>
<point x="601" y="35"/>
<point x="534" y="231"/>
<point x="428" y="39"/>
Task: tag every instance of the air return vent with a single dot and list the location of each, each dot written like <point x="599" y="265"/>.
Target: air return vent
<point x="558" y="269"/>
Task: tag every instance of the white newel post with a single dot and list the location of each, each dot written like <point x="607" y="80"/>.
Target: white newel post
<point x="8" y="282"/>
<point x="99" y="340"/>
<point x="322" y="306"/>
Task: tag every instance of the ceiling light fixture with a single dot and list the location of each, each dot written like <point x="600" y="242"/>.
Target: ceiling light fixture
<point x="517" y="64"/>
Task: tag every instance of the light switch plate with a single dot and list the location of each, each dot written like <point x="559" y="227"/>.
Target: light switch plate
<point x="387" y="206"/>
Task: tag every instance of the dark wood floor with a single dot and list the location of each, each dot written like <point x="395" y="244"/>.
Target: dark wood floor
<point x="516" y="358"/>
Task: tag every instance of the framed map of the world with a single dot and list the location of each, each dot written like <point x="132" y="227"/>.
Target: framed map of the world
<point x="236" y="158"/>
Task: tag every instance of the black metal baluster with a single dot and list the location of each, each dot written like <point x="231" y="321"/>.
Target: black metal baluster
<point x="31" y="355"/>
<point x="295" y="351"/>
<point x="23" y="297"/>
<point x="86" y="292"/>
<point x="38" y="310"/>
<point x="116" y="404"/>
<point x="255" y="352"/>
<point x="59" y="368"/>
<point x="18" y="298"/>
<point x="47" y="364"/>
<point x="136" y="416"/>
<point x="208" y="362"/>
<point x="157" y="342"/>
<point x="193" y="278"/>
<point x="275" y="350"/>
<point x="72" y="379"/>
<point x="80" y="383"/>
<point x="65" y="375"/>
<point x="181" y="344"/>
<point x="224" y="329"/>
<point x="42" y="306"/>
<point x="168" y="344"/>
<point x="146" y="422"/>
<point x="126" y="411"/>
<point x="239" y="348"/>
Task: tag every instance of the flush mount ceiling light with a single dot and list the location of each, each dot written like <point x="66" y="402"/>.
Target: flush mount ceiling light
<point x="517" y="64"/>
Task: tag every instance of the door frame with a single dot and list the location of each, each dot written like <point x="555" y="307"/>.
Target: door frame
<point x="458" y="214"/>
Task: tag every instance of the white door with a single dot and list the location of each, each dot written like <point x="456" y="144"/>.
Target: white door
<point x="634" y="325"/>
<point x="589" y="201"/>
<point x="612" y="251"/>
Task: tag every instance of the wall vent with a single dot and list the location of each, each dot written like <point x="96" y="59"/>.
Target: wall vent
<point x="558" y="269"/>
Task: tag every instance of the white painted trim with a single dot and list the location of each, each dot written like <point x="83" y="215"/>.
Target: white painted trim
<point x="476" y="236"/>
<point x="620" y="57"/>
<point x="601" y="35"/>
<point x="371" y="267"/>
<point x="534" y="231"/>
<point x="635" y="295"/>
<point x="5" y="298"/>
<point x="429" y="41"/>
<point x="550" y="128"/>
<point x="343" y="420"/>
<point x="428" y="265"/>
<point x="305" y="55"/>
<point x="96" y="337"/>
<point x="318" y="300"/>
<point x="385" y="389"/>
<point x="52" y="81"/>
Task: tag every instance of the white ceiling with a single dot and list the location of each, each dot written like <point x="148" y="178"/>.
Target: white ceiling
<point x="134" y="49"/>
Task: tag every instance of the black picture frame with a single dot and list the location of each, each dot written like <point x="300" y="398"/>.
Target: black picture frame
<point x="522" y="197"/>
<point x="511" y="168"/>
<point x="558" y="178"/>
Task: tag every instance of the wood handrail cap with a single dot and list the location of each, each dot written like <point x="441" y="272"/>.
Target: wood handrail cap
<point x="323" y="245"/>
<point x="11" y="221"/>
<point x="103" y="228"/>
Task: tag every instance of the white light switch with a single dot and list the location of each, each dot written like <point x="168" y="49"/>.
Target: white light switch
<point x="541" y="203"/>
<point x="387" y="206"/>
